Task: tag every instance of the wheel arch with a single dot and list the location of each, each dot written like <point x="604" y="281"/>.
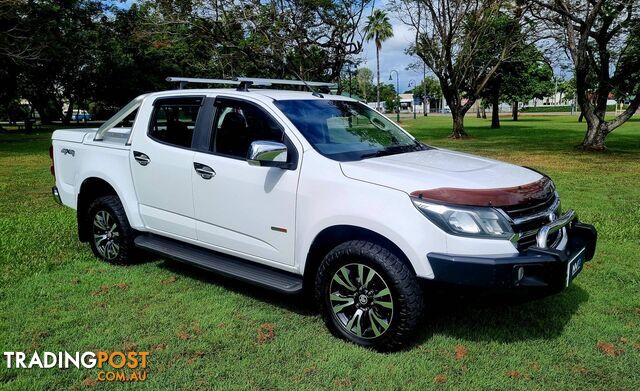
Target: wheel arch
<point x="90" y="189"/>
<point x="332" y="236"/>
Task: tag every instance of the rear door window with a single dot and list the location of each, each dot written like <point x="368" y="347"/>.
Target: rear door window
<point x="174" y="120"/>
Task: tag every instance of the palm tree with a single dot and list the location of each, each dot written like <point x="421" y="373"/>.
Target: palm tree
<point x="378" y="29"/>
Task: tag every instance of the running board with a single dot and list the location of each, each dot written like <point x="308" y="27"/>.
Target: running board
<point x="226" y="265"/>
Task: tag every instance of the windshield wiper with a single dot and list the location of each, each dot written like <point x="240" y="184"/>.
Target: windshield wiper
<point x="394" y="150"/>
<point x="382" y="152"/>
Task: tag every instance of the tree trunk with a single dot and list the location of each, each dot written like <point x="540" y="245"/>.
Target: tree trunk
<point x="458" y="125"/>
<point x="378" y="83"/>
<point x="495" y="104"/>
<point x="514" y="111"/>
<point x="478" y="111"/>
<point x="581" y="116"/>
<point x="594" y="138"/>
<point x="495" y="111"/>
<point x="484" y="112"/>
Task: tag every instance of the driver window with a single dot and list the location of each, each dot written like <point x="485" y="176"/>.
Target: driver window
<point x="238" y="124"/>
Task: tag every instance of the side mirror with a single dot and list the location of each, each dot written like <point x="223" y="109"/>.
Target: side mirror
<point x="267" y="154"/>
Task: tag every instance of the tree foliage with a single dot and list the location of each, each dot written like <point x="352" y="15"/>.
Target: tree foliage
<point x="463" y="42"/>
<point x="378" y="29"/>
<point x="602" y="39"/>
<point x="93" y="53"/>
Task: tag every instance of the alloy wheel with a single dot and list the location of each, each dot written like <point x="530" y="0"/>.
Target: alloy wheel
<point x="361" y="301"/>
<point x="105" y="235"/>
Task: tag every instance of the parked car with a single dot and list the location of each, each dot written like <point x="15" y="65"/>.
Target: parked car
<point x="80" y="115"/>
<point x="297" y="191"/>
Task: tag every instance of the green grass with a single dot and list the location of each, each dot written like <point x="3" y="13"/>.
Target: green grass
<point x="203" y="330"/>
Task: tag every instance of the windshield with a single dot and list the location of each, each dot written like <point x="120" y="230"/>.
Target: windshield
<point x="347" y="130"/>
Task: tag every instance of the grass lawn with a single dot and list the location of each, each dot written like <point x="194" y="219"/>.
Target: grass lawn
<point x="203" y="331"/>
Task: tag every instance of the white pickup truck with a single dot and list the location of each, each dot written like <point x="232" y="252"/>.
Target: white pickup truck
<point x="290" y="190"/>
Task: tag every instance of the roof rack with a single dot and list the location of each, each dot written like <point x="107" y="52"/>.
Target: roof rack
<point x="244" y="83"/>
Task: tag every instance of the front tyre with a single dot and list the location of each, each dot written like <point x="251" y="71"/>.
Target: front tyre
<point x="368" y="295"/>
<point x="111" y="236"/>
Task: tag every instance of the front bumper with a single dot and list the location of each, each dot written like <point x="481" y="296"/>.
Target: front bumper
<point x="534" y="268"/>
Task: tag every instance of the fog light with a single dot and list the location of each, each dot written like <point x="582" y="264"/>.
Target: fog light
<point x="520" y="273"/>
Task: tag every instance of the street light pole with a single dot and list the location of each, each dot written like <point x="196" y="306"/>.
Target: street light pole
<point x="412" y="83"/>
<point x="425" y="99"/>
<point x="397" y="92"/>
<point x="349" y="72"/>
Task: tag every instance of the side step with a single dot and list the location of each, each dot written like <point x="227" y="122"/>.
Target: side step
<point x="223" y="264"/>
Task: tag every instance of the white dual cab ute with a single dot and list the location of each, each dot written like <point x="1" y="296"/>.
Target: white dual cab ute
<point x="293" y="190"/>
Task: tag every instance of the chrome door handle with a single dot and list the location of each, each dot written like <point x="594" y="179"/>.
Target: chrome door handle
<point x="204" y="171"/>
<point x="141" y="158"/>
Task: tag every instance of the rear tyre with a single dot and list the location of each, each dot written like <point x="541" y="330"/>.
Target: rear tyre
<point x="368" y="295"/>
<point x="110" y="235"/>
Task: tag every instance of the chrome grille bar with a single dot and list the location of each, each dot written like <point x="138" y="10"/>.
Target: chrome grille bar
<point x="554" y="226"/>
<point x="547" y="212"/>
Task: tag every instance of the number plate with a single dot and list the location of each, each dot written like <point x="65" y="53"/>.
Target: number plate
<point x="574" y="266"/>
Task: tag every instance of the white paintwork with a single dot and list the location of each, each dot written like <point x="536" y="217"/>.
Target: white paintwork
<point x="438" y="168"/>
<point x="163" y="187"/>
<point x="234" y="211"/>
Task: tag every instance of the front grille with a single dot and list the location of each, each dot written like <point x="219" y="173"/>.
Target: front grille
<point x="527" y="241"/>
<point x="522" y="211"/>
<point x="527" y="219"/>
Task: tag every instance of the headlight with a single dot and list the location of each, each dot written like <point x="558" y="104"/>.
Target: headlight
<point x="484" y="222"/>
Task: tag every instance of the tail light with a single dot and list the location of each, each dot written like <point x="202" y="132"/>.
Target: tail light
<point x="52" y="169"/>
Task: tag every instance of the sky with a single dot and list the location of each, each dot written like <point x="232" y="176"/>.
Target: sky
<point x="392" y="55"/>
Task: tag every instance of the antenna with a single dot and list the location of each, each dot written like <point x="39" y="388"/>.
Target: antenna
<point x="313" y="92"/>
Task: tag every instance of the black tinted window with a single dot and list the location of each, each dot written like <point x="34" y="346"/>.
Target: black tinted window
<point x="238" y="124"/>
<point x="174" y="120"/>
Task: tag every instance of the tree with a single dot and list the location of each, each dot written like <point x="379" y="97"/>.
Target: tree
<point x="451" y="38"/>
<point x="527" y="75"/>
<point x="389" y="96"/>
<point x="602" y="39"/>
<point x="275" y="38"/>
<point x="364" y="80"/>
<point x="378" y="29"/>
<point x="566" y="88"/>
<point x="429" y="88"/>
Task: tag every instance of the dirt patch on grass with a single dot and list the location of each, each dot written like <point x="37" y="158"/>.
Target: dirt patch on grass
<point x="609" y="349"/>
<point x="514" y="374"/>
<point x="169" y="280"/>
<point x="461" y="352"/>
<point x="342" y="383"/>
<point x="440" y="379"/>
<point x="104" y="288"/>
<point x="195" y="357"/>
<point x="160" y="346"/>
<point x="100" y="291"/>
<point x="89" y="382"/>
<point x="266" y="333"/>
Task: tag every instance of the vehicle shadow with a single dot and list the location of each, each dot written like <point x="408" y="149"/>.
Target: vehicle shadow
<point x="468" y="315"/>
<point x="485" y="317"/>
<point x="298" y="304"/>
